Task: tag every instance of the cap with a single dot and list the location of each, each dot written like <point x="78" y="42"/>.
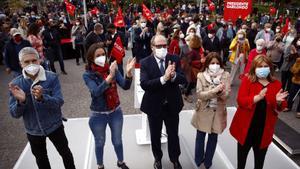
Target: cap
<point x="14" y="32"/>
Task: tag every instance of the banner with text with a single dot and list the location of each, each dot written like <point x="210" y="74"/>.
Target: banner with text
<point x="235" y="8"/>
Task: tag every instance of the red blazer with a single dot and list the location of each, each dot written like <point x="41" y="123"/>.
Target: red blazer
<point x="246" y="107"/>
<point x="253" y="53"/>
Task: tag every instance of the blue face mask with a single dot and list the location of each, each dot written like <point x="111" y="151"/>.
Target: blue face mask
<point x="262" y="72"/>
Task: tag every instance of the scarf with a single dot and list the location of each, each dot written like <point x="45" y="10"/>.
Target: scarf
<point x="111" y="94"/>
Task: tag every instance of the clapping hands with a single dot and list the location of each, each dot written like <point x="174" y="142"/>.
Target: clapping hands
<point x="130" y="66"/>
<point x="170" y="71"/>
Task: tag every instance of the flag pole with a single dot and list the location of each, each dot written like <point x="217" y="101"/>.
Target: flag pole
<point x="200" y="6"/>
<point x="85" y="13"/>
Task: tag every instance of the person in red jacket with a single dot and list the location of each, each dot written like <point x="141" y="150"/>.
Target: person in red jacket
<point x="174" y="44"/>
<point x="259" y="100"/>
<point x="260" y="49"/>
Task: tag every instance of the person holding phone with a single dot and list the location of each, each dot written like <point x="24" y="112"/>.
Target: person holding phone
<point x="260" y="99"/>
<point x="210" y="117"/>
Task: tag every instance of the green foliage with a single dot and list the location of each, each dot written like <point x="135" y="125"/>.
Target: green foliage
<point x="15" y="5"/>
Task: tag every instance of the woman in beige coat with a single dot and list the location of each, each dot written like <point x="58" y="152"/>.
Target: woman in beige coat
<point x="213" y="86"/>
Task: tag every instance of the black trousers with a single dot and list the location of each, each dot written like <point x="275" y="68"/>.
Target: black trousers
<point x="79" y="49"/>
<point x="53" y="52"/>
<point x="292" y="93"/>
<point x="59" y="140"/>
<point x="286" y="80"/>
<point x="171" y="122"/>
<point x="189" y="87"/>
<point x="259" y="155"/>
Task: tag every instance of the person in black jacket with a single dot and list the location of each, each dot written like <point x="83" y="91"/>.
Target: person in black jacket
<point x="51" y="42"/>
<point x="160" y="78"/>
<point x="211" y="43"/>
<point x="95" y="36"/>
<point x="11" y="52"/>
<point x="251" y="35"/>
<point x="142" y="38"/>
<point x="111" y="37"/>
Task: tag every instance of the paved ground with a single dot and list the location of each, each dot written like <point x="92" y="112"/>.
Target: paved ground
<point x="77" y="100"/>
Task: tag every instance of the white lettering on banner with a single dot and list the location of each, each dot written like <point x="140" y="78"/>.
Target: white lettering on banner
<point x="118" y="47"/>
<point x="237" y="5"/>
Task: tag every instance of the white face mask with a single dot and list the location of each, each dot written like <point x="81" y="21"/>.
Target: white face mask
<point x="240" y="36"/>
<point x="32" y="69"/>
<point x="161" y="53"/>
<point x="259" y="47"/>
<point x="95" y="21"/>
<point x="268" y="29"/>
<point x="214" y="68"/>
<point x="298" y="43"/>
<point x="277" y="30"/>
<point x="77" y="23"/>
<point x="210" y="35"/>
<point x="100" y="61"/>
<point x="181" y="36"/>
<point x="143" y="25"/>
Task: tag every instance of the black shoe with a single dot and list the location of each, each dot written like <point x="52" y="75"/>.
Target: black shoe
<point x="64" y="72"/>
<point x="101" y="167"/>
<point x="122" y="165"/>
<point x="157" y="165"/>
<point x="177" y="165"/>
<point x="77" y="63"/>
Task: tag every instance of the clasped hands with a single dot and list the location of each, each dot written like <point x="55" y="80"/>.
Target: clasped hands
<point x="170" y="71"/>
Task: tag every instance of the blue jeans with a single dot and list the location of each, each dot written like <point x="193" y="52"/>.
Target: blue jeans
<point x="210" y="148"/>
<point x="98" y="123"/>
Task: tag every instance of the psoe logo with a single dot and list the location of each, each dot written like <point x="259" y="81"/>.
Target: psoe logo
<point x="237" y="5"/>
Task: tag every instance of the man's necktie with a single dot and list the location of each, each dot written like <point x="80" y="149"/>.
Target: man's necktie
<point x="161" y="66"/>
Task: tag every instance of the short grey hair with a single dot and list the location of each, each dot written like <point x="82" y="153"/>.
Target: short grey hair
<point x="26" y="51"/>
<point x="157" y="36"/>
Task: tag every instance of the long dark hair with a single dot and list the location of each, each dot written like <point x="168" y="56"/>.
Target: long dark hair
<point x="209" y="58"/>
<point x="91" y="53"/>
<point x="33" y="29"/>
<point x="294" y="42"/>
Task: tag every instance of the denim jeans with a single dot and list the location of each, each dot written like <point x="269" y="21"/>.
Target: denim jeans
<point x="98" y="123"/>
<point x="210" y="148"/>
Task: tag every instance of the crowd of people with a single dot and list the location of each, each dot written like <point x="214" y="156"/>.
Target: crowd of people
<point x="177" y="50"/>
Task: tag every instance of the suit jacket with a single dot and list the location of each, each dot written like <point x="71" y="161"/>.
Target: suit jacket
<point x="157" y="94"/>
<point x="142" y="44"/>
<point x="211" y="46"/>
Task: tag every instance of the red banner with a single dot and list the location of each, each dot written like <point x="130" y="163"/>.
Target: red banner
<point x="147" y="13"/>
<point x="118" y="51"/>
<point x="235" y="8"/>
<point x="119" y="20"/>
<point x="70" y="8"/>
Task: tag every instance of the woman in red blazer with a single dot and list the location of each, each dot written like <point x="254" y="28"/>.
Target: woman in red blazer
<point x="259" y="99"/>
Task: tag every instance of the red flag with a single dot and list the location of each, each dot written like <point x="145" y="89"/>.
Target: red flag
<point x="285" y="28"/>
<point x="118" y="51"/>
<point x="70" y="8"/>
<point x="94" y="11"/>
<point x="147" y="13"/>
<point x="119" y="20"/>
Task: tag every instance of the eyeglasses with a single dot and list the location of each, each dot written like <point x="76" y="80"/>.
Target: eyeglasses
<point x="160" y="46"/>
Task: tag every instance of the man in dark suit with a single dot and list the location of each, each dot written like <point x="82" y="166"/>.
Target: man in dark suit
<point x="211" y="43"/>
<point x="162" y="101"/>
<point x="142" y="38"/>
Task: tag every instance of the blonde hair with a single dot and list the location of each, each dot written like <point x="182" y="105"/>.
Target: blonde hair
<point x="259" y="59"/>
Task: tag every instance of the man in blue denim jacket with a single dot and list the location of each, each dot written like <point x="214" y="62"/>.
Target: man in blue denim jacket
<point x="36" y="96"/>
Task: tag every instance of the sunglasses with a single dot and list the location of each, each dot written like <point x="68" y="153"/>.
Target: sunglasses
<point x="160" y="46"/>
